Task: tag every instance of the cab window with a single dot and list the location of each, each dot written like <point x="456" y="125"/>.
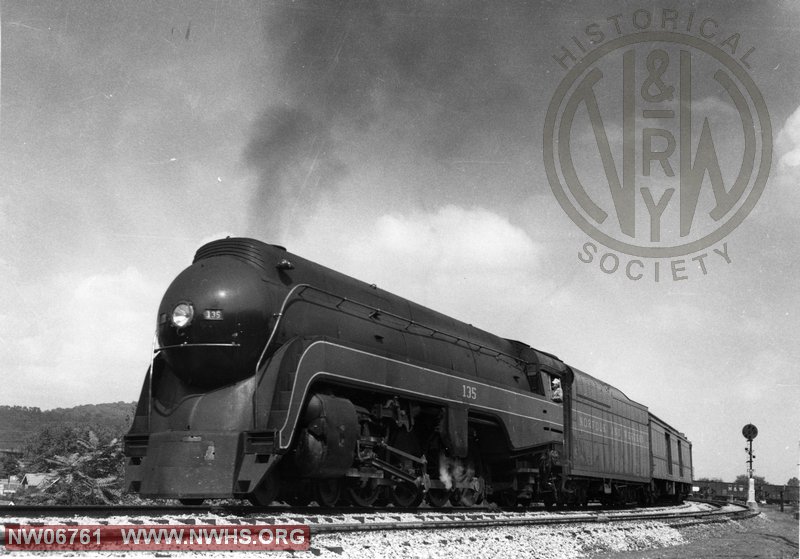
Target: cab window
<point x="535" y="381"/>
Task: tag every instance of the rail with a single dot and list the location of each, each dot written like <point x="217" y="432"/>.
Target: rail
<point x="352" y="519"/>
<point x="498" y="519"/>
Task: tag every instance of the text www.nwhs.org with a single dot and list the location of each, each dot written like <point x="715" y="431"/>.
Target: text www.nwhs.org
<point x="157" y="537"/>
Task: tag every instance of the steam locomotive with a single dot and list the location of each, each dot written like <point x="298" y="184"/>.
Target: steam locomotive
<point x="273" y="377"/>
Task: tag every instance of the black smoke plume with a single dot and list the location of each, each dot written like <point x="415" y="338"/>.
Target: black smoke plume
<point x="426" y="76"/>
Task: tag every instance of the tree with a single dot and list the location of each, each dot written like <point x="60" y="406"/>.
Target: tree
<point x="793" y="482"/>
<point x="57" y="440"/>
<point x="60" y="440"/>
<point x="9" y="465"/>
<point x="91" y="476"/>
<point x="743" y="480"/>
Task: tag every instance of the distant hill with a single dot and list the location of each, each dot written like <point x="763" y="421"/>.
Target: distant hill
<point x="18" y="423"/>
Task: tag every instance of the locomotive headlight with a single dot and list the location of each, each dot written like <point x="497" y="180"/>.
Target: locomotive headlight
<point x="182" y="315"/>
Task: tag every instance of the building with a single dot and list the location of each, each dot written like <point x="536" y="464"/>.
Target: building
<point x="37" y="481"/>
<point x="9" y="486"/>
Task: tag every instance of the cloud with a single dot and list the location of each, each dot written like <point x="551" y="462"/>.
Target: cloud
<point x="786" y="174"/>
<point x="429" y="80"/>
<point x="782" y="195"/>
<point x="87" y="338"/>
<point x="712" y="106"/>
<point x="788" y="145"/>
<point x="470" y="263"/>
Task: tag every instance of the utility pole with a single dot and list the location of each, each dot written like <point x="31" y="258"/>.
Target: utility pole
<point x="750" y="432"/>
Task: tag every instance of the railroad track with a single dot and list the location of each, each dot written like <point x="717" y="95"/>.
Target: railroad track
<point x="328" y="521"/>
<point x="103" y="511"/>
<point x="681" y="515"/>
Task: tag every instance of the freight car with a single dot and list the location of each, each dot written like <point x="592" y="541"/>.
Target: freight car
<point x="738" y="491"/>
<point x="274" y="377"/>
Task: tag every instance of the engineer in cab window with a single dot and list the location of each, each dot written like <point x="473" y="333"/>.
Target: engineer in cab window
<point x="557" y="394"/>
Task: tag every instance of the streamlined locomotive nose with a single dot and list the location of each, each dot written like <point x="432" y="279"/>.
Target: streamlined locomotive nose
<point x="213" y="321"/>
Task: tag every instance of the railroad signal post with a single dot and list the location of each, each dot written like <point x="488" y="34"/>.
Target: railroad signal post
<point x="750" y="432"/>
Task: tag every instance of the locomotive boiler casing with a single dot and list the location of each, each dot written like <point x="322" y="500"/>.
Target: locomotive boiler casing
<point x="219" y="407"/>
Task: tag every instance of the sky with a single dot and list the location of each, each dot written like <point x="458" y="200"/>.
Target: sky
<point x="401" y="143"/>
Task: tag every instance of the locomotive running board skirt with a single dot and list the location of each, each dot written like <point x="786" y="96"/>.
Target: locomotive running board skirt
<point x="323" y="359"/>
